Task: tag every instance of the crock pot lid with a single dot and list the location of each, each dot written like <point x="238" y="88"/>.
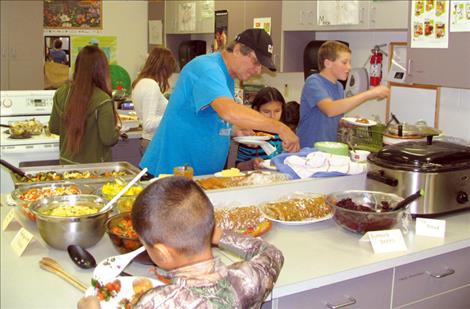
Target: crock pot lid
<point x="421" y="153"/>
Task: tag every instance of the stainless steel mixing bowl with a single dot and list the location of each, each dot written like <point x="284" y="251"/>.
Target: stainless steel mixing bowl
<point x="60" y="231"/>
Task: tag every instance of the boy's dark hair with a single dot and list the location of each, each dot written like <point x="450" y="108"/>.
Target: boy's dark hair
<point x="291" y="114"/>
<point x="174" y="211"/>
<point x="58" y="44"/>
<point x="266" y="95"/>
<point x="330" y="50"/>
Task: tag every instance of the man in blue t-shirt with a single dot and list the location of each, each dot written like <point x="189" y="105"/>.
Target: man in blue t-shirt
<point x="197" y="124"/>
<point x="322" y="103"/>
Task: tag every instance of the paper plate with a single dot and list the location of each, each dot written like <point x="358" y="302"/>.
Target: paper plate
<point x="354" y="121"/>
<point x="303" y="222"/>
<point x="252" y="138"/>
<point x="130" y="285"/>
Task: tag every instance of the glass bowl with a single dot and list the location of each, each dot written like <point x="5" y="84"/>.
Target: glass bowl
<point x="124" y="238"/>
<point x="363" y="211"/>
<point x="24" y="196"/>
<point x="126" y="201"/>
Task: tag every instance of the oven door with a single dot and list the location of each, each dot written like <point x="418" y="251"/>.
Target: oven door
<point x="26" y="155"/>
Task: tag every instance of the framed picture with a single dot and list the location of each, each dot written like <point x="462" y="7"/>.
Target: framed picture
<point x="54" y="43"/>
<point x="73" y="14"/>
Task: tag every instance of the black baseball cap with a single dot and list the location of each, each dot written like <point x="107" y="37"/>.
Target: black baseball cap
<point x="260" y="41"/>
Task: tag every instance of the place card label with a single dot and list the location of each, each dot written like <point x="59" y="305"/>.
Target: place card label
<point x="387" y="241"/>
<point x="8" y="219"/>
<point x="21" y="241"/>
<point x="430" y="227"/>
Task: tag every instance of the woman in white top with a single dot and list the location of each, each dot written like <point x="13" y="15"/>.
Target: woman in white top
<point x="148" y="89"/>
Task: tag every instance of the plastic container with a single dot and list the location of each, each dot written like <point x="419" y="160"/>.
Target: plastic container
<point x="333" y="148"/>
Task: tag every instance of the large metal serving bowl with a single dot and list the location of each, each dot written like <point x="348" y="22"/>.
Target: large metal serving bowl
<point x="62" y="231"/>
<point x="371" y="217"/>
<point x="25" y="196"/>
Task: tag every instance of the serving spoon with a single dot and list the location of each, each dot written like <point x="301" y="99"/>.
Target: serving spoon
<point x="84" y="259"/>
<point x="13" y="168"/>
<point x="109" y="205"/>
<point x="112" y="266"/>
<point x="81" y="257"/>
<point x="409" y="199"/>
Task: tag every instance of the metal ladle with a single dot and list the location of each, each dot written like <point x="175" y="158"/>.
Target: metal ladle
<point x="81" y="257"/>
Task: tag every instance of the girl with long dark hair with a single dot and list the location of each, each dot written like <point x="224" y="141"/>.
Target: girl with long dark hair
<point x="83" y="113"/>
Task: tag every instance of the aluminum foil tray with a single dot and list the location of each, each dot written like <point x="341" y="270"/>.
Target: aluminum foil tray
<point x="96" y="178"/>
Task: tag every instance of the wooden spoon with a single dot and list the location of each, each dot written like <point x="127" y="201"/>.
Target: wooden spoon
<point x="52" y="266"/>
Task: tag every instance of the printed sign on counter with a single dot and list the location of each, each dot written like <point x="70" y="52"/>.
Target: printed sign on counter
<point x="386" y="241"/>
<point x="8" y="219"/>
<point x="430" y="227"/>
<point x="21" y="241"/>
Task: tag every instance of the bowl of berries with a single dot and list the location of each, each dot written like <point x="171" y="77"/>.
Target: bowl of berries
<point x="363" y="211"/>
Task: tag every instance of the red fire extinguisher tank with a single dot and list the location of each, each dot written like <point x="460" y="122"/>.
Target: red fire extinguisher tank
<point x="375" y="67"/>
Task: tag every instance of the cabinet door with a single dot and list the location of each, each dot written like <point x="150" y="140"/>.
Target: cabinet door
<point x="298" y="15"/>
<point x="371" y="291"/>
<point x="431" y="276"/>
<point x="25" y="45"/>
<point x="447" y="67"/>
<point x="3" y="46"/>
<point x="388" y="14"/>
<point x="455" y="299"/>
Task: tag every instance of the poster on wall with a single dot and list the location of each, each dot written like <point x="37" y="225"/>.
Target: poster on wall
<point x="221" y="30"/>
<point x="187" y="16"/>
<point x="155" y="32"/>
<point x="430" y="24"/>
<point x="107" y="43"/>
<point x="460" y="16"/>
<point x="262" y="23"/>
<point x="338" y="12"/>
<point x="73" y="14"/>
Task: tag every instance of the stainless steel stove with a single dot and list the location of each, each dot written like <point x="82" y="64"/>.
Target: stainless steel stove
<point x="40" y="149"/>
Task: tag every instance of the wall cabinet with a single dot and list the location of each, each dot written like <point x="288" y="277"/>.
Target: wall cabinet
<point x="242" y="13"/>
<point x="370" y="15"/>
<point x="22" y="46"/>
<point x="447" y="67"/>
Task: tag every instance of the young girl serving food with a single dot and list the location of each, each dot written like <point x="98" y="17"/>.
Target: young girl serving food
<point x="270" y="103"/>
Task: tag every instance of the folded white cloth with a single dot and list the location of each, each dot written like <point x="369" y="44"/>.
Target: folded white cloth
<point x="319" y="161"/>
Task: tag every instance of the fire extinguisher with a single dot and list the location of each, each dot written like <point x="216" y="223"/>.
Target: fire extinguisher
<point x="376" y="58"/>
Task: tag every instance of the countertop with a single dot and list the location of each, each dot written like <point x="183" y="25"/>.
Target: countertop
<point x="317" y="254"/>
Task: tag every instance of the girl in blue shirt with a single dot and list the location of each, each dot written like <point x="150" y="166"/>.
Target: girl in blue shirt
<point x="269" y="102"/>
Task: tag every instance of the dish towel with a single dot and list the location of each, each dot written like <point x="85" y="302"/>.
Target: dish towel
<point x="312" y="163"/>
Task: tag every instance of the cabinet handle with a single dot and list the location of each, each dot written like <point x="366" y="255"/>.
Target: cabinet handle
<point x="408" y="68"/>
<point x="373" y="14"/>
<point x="361" y="19"/>
<point x="351" y="301"/>
<point x="448" y="272"/>
<point x="301" y="17"/>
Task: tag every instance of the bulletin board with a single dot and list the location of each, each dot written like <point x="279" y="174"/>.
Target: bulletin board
<point x="410" y="102"/>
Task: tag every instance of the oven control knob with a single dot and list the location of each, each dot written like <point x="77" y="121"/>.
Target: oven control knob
<point x="7" y="103"/>
<point x="462" y="197"/>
